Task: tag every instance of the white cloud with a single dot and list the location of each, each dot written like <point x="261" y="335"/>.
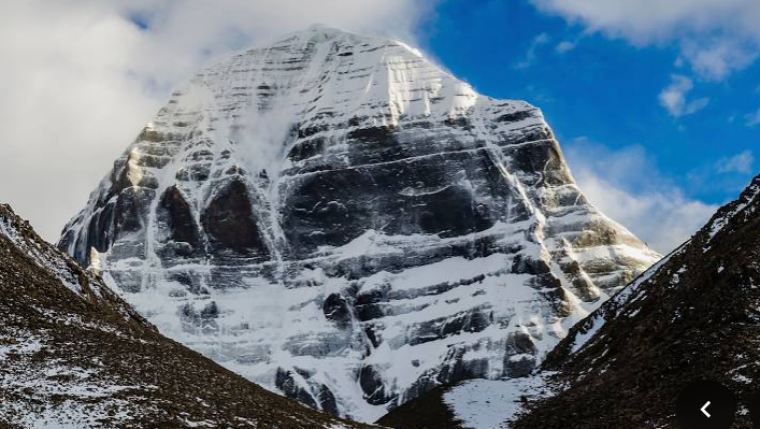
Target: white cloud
<point x="81" y="79"/>
<point x="716" y="36"/>
<point x="740" y="163"/>
<point x="674" y="97"/>
<point x="716" y="60"/>
<point x="627" y="186"/>
<point x="530" y="55"/>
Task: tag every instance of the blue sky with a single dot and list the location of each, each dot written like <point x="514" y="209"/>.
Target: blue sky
<point x="654" y="102"/>
<point x="604" y="90"/>
<point x="639" y="119"/>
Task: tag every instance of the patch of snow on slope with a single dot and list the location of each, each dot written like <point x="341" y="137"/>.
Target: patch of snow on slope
<point x="490" y="404"/>
<point x="60" y="389"/>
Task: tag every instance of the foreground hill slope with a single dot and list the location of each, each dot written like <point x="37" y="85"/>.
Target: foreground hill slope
<point x="338" y="219"/>
<point x="695" y="315"/>
<point x="428" y="411"/>
<point x="74" y="355"/>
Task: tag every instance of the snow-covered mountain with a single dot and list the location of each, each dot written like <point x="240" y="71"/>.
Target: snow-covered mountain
<point x="692" y="316"/>
<point x="73" y="355"/>
<point x="337" y="218"/>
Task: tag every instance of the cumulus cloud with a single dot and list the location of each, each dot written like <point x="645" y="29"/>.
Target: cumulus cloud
<point x="627" y="186"/>
<point x="717" y="59"/>
<point x="673" y="97"/>
<point x="83" y="76"/>
<point x="716" y="36"/>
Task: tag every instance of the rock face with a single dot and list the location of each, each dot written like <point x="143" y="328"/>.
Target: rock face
<point x="692" y="316"/>
<point x="338" y="219"/>
<point x="74" y="355"/>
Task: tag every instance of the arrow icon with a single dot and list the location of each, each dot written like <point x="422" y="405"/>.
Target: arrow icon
<point x="704" y="409"/>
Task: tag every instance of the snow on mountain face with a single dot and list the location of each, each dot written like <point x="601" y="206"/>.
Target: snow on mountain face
<point x="338" y="219"/>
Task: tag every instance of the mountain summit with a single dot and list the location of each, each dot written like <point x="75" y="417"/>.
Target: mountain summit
<point x="338" y="219"/>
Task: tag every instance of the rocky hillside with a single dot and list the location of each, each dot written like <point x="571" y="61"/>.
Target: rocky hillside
<point x="338" y="219"/>
<point x="695" y="315"/>
<point x="75" y="356"/>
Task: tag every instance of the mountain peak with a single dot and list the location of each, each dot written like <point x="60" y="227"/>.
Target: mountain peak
<point x="340" y="220"/>
<point x="316" y="33"/>
<point x="320" y="33"/>
<point x="324" y="68"/>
